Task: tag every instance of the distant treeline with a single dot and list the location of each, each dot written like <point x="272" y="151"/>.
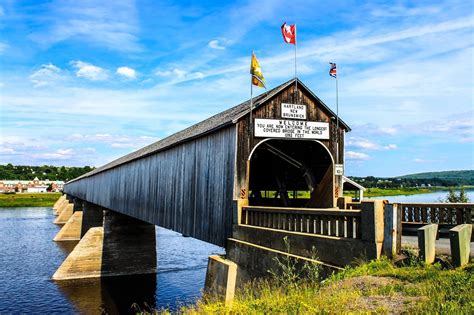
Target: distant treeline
<point x="446" y="179"/>
<point x="25" y="172"/>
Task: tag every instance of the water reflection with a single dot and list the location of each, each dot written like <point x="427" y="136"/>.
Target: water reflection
<point x="66" y="246"/>
<point x="111" y="295"/>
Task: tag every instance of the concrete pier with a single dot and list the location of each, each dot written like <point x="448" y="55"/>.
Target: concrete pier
<point x="85" y="261"/>
<point x="60" y="206"/>
<point x="59" y="203"/>
<point x="221" y="278"/>
<point x="372" y="227"/>
<point x="66" y="213"/>
<point x="71" y="231"/>
<point x="123" y="246"/>
<point x="93" y="216"/>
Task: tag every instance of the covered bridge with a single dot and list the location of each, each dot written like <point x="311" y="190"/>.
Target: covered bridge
<point x="283" y="154"/>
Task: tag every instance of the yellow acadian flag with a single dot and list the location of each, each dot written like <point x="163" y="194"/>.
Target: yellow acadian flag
<point x="256" y="72"/>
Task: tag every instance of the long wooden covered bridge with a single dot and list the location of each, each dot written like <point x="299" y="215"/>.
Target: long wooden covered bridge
<point x="241" y="179"/>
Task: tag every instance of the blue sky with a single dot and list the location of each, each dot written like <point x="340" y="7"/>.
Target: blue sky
<point x="84" y="82"/>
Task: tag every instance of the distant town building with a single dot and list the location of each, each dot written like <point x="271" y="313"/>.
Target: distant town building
<point x="31" y="186"/>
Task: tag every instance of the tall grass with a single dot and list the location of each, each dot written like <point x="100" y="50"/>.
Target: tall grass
<point x="376" y="286"/>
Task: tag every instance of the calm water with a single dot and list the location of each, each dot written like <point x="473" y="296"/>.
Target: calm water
<point x="29" y="257"/>
<point x="430" y="197"/>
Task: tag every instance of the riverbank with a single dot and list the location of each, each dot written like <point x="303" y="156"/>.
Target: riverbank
<point x="29" y="199"/>
<point x="377" y="286"/>
<point x="380" y="192"/>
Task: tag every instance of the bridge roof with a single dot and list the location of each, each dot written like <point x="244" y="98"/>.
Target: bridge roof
<point x="216" y="122"/>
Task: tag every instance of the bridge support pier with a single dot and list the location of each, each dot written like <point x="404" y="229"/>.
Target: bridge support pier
<point x="93" y="216"/>
<point x="85" y="215"/>
<point x="123" y="246"/>
<point x="59" y="204"/>
<point x="64" y="214"/>
<point x="71" y="231"/>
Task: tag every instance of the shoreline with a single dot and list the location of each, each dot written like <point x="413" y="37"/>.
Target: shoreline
<point x="382" y="192"/>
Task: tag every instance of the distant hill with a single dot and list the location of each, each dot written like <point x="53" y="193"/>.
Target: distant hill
<point x="466" y="176"/>
<point x="446" y="178"/>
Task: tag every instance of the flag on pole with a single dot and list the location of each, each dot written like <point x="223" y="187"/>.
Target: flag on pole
<point x="256" y="72"/>
<point x="289" y="33"/>
<point x="333" y="70"/>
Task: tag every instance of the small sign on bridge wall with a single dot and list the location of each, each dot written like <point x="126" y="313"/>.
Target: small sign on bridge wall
<point x="293" y="129"/>
<point x="339" y="169"/>
<point x="293" y="111"/>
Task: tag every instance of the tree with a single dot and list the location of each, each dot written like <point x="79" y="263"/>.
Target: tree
<point x="452" y="197"/>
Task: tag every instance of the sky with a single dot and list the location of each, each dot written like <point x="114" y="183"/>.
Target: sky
<point x="85" y="82"/>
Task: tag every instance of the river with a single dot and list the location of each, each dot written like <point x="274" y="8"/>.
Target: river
<point x="429" y="197"/>
<point x="29" y="257"/>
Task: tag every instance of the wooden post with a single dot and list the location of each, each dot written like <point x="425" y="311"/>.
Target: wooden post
<point x="392" y="231"/>
<point x="372" y="227"/>
<point x="342" y="202"/>
<point x="427" y="242"/>
<point x="460" y="238"/>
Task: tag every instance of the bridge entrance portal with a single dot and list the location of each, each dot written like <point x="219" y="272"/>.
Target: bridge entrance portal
<point x="291" y="173"/>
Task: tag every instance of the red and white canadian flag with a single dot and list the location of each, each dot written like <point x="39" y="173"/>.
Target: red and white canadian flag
<point x="289" y="33"/>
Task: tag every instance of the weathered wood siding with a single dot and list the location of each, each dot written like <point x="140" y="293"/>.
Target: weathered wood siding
<point x="187" y="188"/>
<point x="272" y="110"/>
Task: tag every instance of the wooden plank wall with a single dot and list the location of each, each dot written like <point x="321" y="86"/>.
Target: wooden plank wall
<point x="272" y="110"/>
<point x="187" y="188"/>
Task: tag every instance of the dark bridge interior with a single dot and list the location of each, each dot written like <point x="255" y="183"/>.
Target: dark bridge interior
<point x="291" y="173"/>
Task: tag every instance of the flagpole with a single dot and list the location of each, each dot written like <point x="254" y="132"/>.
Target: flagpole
<point x="337" y="120"/>
<point x="296" y="80"/>
<point x="251" y="107"/>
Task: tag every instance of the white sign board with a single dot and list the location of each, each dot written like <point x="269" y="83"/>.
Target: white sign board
<point x="292" y="129"/>
<point x="294" y="111"/>
<point x="339" y="169"/>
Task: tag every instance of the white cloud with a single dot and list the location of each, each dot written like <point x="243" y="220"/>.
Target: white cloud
<point x="215" y="44"/>
<point x="89" y="71"/>
<point x="114" y="141"/>
<point x="3" y="47"/>
<point x="6" y="150"/>
<point x="454" y="128"/>
<point x="178" y="73"/>
<point x="363" y="144"/>
<point x="60" y="154"/>
<point x="400" y="11"/>
<point x="352" y="155"/>
<point x="45" y="75"/>
<point x="111" y="24"/>
<point x="388" y="130"/>
<point x="391" y="147"/>
<point x="424" y="161"/>
<point x="366" y="144"/>
<point x="127" y="72"/>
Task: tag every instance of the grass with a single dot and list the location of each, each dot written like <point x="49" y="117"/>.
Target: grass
<point x="374" y="192"/>
<point x="377" y="286"/>
<point x="29" y="199"/>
